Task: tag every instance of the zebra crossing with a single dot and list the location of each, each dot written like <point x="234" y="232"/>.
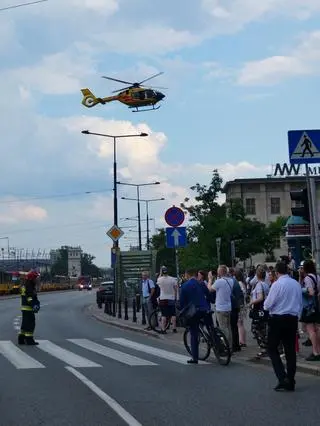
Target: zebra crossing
<point x="18" y="357"/>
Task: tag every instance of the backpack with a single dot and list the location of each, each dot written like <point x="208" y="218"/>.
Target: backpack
<point x="237" y="297"/>
<point x="156" y="290"/>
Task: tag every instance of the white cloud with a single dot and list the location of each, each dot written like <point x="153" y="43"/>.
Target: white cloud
<point x="20" y="212"/>
<point x="303" y="60"/>
<point x="230" y="171"/>
<point x="56" y="74"/>
<point x="233" y="15"/>
<point x="153" y="39"/>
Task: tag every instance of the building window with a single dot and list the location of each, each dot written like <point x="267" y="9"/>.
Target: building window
<point x="277" y="243"/>
<point x="251" y="206"/>
<point x="275" y="205"/>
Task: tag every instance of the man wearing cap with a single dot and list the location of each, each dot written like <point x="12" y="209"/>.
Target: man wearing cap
<point x="29" y="305"/>
<point x="168" y="297"/>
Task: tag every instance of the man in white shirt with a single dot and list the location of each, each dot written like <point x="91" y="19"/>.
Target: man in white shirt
<point x="148" y="290"/>
<point x="284" y="303"/>
<point x="223" y="288"/>
<point x="168" y="296"/>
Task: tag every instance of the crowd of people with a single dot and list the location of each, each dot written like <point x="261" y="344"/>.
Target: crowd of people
<point x="276" y="299"/>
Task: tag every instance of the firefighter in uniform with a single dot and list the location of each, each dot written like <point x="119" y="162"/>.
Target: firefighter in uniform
<point x="29" y="306"/>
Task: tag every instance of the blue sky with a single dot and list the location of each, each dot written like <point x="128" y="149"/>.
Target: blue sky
<point x="239" y="74"/>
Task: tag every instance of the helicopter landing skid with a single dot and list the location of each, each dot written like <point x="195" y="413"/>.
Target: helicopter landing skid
<point x="143" y="110"/>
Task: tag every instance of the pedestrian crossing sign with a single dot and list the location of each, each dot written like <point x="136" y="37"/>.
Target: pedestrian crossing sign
<point x="304" y="146"/>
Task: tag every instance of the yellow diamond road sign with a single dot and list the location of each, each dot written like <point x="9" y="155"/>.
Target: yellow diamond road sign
<point x="115" y="233"/>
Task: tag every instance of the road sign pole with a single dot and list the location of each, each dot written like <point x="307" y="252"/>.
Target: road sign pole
<point x="218" y="243"/>
<point x="177" y="264"/>
<point x="316" y="235"/>
<point x="312" y="230"/>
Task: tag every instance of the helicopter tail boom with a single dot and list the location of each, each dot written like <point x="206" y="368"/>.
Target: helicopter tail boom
<point x="89" y="100"/>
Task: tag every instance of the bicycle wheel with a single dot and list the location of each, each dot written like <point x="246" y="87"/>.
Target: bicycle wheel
<point x="221" y="347"/>
<point x="155" y="321"/>
<point x="204" y="347"/>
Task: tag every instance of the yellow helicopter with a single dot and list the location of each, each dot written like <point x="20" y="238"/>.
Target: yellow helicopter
<point x="135" y="95"/>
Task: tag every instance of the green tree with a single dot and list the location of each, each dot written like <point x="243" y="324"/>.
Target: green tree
<point x="88" y="267"/>
<point x="211" y="220"/>
<point x="60" y="266"/>
<point x="275" y="230"/>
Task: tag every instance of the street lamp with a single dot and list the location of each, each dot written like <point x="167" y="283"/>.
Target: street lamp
<point x="115" y="137"/>
<point x="138" y="201"/>
<point x="115" y="192"/>
<point x="147" y="211"/>
<point x="8" y="242"/>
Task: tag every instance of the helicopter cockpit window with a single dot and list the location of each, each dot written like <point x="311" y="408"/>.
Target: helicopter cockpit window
<point x="149" y="94"/>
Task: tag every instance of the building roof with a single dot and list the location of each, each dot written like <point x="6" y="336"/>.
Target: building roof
<point x="266" y="180"/>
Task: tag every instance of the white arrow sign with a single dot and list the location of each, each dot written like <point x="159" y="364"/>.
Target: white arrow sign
<point x="176" y="235"/>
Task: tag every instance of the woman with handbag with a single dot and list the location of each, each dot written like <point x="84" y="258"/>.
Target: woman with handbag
<point x="310" y="317"/>
<point x="258" y="315"/>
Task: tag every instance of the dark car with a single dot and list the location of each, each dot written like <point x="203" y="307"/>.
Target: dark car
<point x="105" y="293"/>
<point x="84" y="283"/>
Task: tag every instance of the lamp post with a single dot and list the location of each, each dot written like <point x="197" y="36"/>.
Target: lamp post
<point x="138" y="201"/>
<point x="8" y="241"/>
<point x="115" y="192"/>
<point x="147" y="212"/>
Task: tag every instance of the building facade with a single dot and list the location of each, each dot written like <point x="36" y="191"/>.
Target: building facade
<point x="74" y="261"/>
<point x="265" y="199"/>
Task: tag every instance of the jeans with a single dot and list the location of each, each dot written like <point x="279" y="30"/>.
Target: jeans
<point x="194" y="334"/>
<point x="148" y="308"/>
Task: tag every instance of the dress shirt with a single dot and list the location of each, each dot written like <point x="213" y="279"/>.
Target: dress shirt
<point x="285" y="297"/>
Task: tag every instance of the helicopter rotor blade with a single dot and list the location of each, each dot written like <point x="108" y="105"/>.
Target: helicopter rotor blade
<point x="155" y="87"/>
<point x="120" y="90"/>
<point x="115" y="79"/>
<point x="153" y="76"/>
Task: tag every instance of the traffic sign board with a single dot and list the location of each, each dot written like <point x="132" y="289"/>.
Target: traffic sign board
<point x="304" y="146"/>
<point x="174" y="216"/>
<point x="115" y="233"/>
<point x="176" y="237"/>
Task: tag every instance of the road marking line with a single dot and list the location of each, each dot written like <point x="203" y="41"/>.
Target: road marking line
<point x="114" y="405"/>
<point x="111" y="353"/>
<point x="65" y="355"/>
<point x="17" y="327"/>
<point x="171" y="356"/>
<point x="17" y="357"/>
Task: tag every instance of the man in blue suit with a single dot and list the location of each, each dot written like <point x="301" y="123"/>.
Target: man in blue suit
<point x="193" y="294"/>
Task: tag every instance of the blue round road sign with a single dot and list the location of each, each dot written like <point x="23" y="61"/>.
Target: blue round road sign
<point x="174" y="216"/>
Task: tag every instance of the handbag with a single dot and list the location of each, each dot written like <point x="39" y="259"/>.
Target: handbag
<point x="313" y="307"/>
<point x="189" y="311"/>
<point x="257" y="313"/>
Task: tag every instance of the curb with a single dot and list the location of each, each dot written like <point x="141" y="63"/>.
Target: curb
<point x="300" y="368"/>
<point x="264" y="361"/>
<point x="125" y="326"/>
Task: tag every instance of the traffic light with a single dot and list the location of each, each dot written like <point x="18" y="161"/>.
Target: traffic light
<point x="303" y="210"/>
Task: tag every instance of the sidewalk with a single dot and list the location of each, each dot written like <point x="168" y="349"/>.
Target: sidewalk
<point x="247" y="354"/>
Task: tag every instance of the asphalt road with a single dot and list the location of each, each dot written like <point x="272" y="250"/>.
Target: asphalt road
<point x="78" y="377"/>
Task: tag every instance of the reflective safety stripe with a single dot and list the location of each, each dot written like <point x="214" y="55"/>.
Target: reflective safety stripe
<point x="28" y="334"/>
<point x="29" y="299"/>
<point x="26" y="308"/>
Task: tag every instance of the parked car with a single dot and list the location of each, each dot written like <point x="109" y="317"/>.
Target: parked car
<point x="105" y="293"/>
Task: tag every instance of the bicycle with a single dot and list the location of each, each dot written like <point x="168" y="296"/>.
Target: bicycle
<point x="213" y="339"/>
<point x="155" y="320"/>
